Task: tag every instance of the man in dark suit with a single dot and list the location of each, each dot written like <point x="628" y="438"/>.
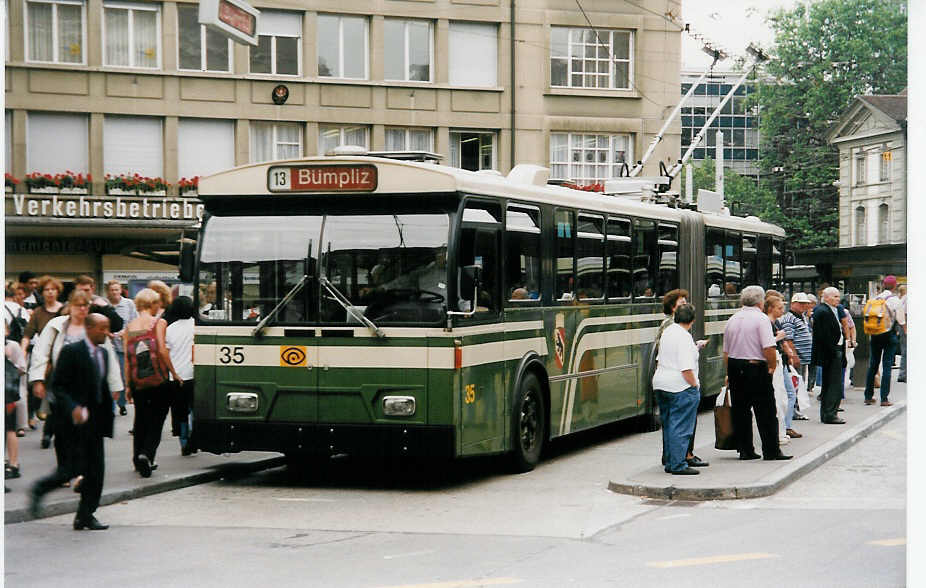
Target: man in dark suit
<point x="84" y="413"/>
<point x="828" y="352"/>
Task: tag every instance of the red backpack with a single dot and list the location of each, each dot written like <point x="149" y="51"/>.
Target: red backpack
<point x="146" y="370"/>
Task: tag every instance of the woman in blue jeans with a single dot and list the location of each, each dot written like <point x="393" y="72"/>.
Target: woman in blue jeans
<point x="676" y="387"/>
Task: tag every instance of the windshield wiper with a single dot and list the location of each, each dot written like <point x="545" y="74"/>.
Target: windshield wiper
<point x="345" y="303"/>
<point x="289" y="296"/>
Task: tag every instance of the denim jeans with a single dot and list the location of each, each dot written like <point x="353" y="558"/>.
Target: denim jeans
<point x="792" y="396"/>
<point x="678" y="411"/>
<point x="903" y="357"/>
<point x="882" y="351"/>
<point x="120" y="355"/>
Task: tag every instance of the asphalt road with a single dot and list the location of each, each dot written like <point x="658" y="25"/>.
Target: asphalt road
<point x="354" y="524"/>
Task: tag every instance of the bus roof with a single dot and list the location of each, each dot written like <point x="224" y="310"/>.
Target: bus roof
<point x="396" y="177"/>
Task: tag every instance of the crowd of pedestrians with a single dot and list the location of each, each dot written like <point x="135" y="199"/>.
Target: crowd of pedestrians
<point x="74" y="364"/>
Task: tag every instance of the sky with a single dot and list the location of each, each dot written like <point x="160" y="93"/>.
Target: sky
<point x="729" y="25"/>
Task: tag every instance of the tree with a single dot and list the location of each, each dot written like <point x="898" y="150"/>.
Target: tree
<point x="741" y="194"/>
<point x="825" y="54"/>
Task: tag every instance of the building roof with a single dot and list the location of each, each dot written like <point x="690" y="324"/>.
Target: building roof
<point x="893" y="105"/>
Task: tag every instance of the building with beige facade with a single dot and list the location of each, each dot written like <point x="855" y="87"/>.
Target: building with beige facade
<point x="113" y="88"/>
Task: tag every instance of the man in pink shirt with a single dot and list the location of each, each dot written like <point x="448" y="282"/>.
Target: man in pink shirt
<point x="749" y="358"/>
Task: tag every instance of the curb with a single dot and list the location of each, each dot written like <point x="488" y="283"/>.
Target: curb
<point x="772" y="483"/>
<point x="231" y="471"/>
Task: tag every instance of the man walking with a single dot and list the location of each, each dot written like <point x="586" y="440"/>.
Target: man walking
<point x="828" y="353"/>
<point x="883" y="343"/>
<point x="125" y="308"/>
<point x="84" y="416"/>
<point x="902" y="376"/>
<point x="749" y="358"/>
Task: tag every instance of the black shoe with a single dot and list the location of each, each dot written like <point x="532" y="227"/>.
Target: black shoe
<point x="123" y="411"/>
<point x="697" y="462"/>
<point x="131" y="431"/>
<point x="154" y="466"/>
<point x="143" y="466"/>
<point x="686" y="472"/>
<point x="187" y="450"/>
<point x="46" y="442"/>
<point x="91" y="524"/>
<point x="11" y="472"/>
<point x="748" y="456"/>
<point x="834" y="422"/>
<point x="779" y="457"/>
<point x="840" y="410"/>
<point x="903" y="380"/>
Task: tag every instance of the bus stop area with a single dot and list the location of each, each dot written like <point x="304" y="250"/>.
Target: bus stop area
<point x="728" y="477"/>
<point x="636" y="462"/>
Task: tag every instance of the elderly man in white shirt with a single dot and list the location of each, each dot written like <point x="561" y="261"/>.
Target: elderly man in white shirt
<point x="676" y="387"/>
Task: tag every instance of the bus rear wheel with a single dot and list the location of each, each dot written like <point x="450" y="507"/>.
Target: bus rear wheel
<point x="528" y="424"/>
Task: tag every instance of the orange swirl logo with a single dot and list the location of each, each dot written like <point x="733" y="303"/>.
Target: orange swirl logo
<point x="292" y="356"/>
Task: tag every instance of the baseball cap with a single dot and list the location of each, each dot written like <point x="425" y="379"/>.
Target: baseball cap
<point x="890" y="281"/>
<point x="800" y="297"/>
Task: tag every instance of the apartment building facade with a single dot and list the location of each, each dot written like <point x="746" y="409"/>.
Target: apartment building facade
<point x="113" y="89"/>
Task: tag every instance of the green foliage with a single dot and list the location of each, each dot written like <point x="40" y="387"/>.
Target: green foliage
<point x="826" y="53"/>
<point x="741" y="194"/>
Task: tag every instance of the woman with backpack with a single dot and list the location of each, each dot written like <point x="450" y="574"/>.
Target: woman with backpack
<point x="147" y="367"/>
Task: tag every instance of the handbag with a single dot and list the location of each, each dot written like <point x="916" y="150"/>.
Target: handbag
<point x="724" y="437"/>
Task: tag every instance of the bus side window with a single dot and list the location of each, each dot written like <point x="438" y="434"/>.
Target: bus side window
<point x="777" y="266"/>
<point x="590" y="257"/>
<point x="732" y="267"/>
<point x="713" y="259"/>
<point x="565" y="249"/>
<point x="480" y="244"/>
<point x="646" y="252"/>
<point x="667" y="272"/>
<point x="750" y="277"/>
<point x="619" y="252"/>
<point x="522" y="250"/>
<point x="764" y="269"/>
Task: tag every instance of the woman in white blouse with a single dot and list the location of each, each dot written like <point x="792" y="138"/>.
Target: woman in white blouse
<point x="676" y="387"/>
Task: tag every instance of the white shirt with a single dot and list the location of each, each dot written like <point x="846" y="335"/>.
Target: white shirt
<point x="14" y="310"/>
<point x="677" y="353"/>
<point x="897" y="308"/>
<point x="839" y="322"/>
<point x="179" y="339"/>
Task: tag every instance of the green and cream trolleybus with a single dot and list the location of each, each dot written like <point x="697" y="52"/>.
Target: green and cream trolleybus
<point x="367" y="306"/>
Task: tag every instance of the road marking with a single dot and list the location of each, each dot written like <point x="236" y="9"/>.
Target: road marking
<point x="703" y="561"/>
<point x="410" y="554"/>
<point x="306" y="499"/>
<point x="463" y="583"/>
<point x="889" y="542"/>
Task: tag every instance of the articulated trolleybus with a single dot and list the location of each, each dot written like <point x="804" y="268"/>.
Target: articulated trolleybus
<point x="367" y="306"/>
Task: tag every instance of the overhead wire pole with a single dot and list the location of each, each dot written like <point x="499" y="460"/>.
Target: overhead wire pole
<point x="718" y="55"/>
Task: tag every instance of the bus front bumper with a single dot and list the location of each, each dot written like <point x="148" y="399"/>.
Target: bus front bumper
<point x="324" y="439"/>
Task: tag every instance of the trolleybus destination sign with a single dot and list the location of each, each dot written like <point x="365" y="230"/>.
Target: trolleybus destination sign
<point x="322" y="178"/>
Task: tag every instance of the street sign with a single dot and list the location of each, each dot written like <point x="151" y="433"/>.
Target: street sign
<point x="234" y="19"/>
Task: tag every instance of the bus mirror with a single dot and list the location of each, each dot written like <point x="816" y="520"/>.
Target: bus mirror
<point x="186" y="262"/>
<point x="469" y="280"/>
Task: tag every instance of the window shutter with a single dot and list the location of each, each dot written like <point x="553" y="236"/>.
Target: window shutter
<point x="205" y="146"/>
<point x="57" y="143"/>
<point x="133" y="144"/>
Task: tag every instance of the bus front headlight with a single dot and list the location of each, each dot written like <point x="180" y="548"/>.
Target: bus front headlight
<point x="241" y="401"/>
<point x="399" y="405"/>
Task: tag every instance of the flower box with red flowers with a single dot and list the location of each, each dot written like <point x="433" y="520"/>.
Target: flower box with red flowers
<point x="11" y="182"/>
<point x="188" y="187"/>
<point x="62" y="183"/>
<point x="132" y="185"/>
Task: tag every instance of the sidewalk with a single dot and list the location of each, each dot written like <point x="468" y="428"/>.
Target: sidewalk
<point x="121" y="481"/>
<point x="727" y="477"/>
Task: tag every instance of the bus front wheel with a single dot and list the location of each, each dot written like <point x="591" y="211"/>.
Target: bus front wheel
<point x="528" y="424"/>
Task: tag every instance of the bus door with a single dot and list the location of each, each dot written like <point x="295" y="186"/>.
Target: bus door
<point x="483" y="378"/>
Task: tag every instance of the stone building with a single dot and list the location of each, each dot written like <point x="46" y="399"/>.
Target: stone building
<point x="123" y="88"/>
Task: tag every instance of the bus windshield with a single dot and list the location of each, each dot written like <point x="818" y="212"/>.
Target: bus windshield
<point x="392" y="268"/>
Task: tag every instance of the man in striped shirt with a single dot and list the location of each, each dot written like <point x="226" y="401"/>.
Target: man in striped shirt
<point x="796" y="326"/>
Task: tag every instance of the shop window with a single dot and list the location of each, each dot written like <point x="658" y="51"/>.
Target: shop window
<point x="407" y="45"/>
<point x="343" y="46"/>
<point x="132" y="35"/>
<point x="279" y="46"/>
<point x="473" y="57"/>
<point x="200" y="49"/>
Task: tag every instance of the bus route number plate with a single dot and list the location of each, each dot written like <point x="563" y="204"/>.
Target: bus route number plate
<point x="322" y="178"/>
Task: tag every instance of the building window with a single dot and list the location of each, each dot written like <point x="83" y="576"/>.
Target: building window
<point x="204" y="146"/>
<point x="473" y="54"/>
<point x="402" y="139"/>
<point x="332" y="136"/>
<point x="57" y="142"/>
<point x="200" y="49"/>
<point x="883" y="224"/>
<point x="588" y="159"/>
<point x="586" y="58"/>
<point x="343" y="46"/>
<point x="133" y="145"/>
<point x="272" y="141"/>
<point x="886" y="157"/>
<point x="861" y="164"/>
<point x="132" y="35"/>
<point x="407" y="45"/>
<point x="860" y="226"/>
<point x="56" y="32"/>
<point x="472" y="150"/>
<point x="279" y="45"/>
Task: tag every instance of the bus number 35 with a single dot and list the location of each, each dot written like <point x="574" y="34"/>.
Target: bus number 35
<point x="229" y="355"/>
